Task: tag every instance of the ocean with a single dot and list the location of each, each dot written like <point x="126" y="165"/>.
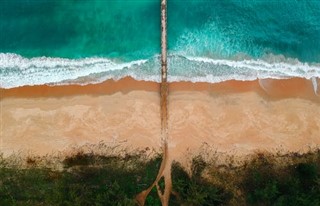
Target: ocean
<point x="57" y="42"/>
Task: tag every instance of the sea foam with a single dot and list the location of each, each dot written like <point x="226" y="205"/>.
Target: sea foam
<point x="19" y="71"/>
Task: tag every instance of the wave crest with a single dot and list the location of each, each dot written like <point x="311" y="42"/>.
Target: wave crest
<point x="16" y="70"/>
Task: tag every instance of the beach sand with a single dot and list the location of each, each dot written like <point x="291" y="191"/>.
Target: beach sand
<point x="233" y="117"/>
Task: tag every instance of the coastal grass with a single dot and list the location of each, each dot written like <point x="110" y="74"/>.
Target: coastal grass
<point x="270" y="179"/>
<point x="84" y="179"/>
<point x="292" y="179"/>
<point x="87" y="178"/>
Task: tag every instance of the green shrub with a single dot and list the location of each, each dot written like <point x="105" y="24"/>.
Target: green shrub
<point x="266" y="183"/>
<point x="196" y="190"/>
<point x="88" y="179"/>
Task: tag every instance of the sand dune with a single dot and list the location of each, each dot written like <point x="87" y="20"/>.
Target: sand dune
<point x="234" y="117"/>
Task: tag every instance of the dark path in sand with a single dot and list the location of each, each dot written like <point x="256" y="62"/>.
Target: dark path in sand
<point x="165" y="167"/>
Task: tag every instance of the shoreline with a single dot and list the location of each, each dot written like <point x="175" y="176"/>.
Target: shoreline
<point x="269" y="88"/>
<point x="231" y="117"/>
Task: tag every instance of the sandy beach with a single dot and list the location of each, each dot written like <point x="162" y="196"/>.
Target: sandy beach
<point x="231" y="117"/>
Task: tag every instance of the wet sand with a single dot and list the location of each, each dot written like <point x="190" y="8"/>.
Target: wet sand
<point x="231" y="117"/>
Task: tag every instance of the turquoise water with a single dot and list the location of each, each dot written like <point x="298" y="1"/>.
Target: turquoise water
<point x="252" y="27"/>
<point x="77" y="29"/>
<point x="88" y="41"/>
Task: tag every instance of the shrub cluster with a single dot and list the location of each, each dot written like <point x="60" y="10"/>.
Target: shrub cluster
<point x="88" y="179"/>
<point x="269" y="182"/>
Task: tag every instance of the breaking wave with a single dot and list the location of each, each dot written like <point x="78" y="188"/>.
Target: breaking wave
<point x="16" y="71"/>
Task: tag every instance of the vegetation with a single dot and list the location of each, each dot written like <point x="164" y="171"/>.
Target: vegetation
<point x="270" y="182"/>
<point x="194" y="189"/>
<point x="92" y="179"/>
<point x="86" y="179"/>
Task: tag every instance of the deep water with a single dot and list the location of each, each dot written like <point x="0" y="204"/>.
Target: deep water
<point x="250" y="27"/>
<point x="77" y="29"/>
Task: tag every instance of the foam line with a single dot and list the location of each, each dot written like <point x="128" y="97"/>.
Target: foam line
<point x="16" y="70"/>
<point x="315" y="85"/>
